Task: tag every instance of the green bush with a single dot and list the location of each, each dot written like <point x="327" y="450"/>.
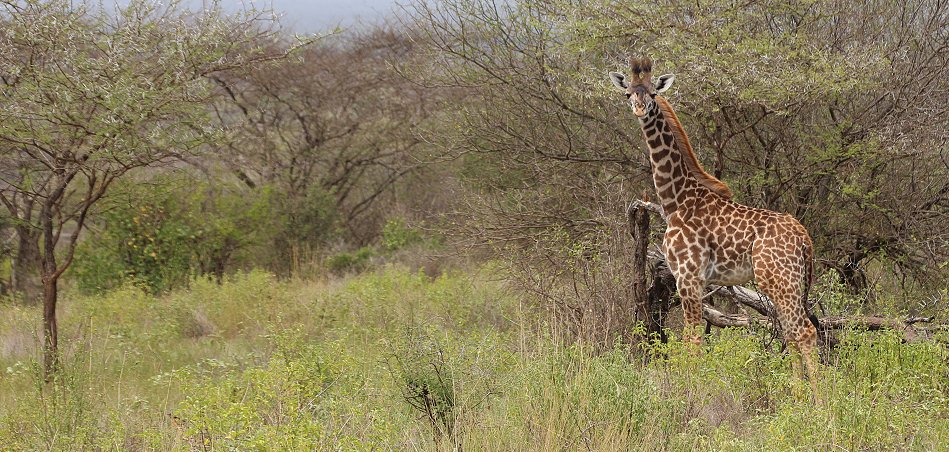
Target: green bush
<point x="275" y="406"/>
<point x="396" y="235"/>
<point x="163" y="232"/>
<point x="348" y="262"/>
<point x="147" y="241"/>
<point x="311" y="218"/>
<point x="425" y="375"/>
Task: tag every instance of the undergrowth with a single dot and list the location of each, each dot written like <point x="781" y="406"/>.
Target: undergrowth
<point x="393" y="359"/>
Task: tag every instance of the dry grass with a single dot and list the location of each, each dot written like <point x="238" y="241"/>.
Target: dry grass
<point x="258" y="363"/>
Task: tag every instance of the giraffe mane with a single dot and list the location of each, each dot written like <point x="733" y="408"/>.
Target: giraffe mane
<point x="685" y="148"/>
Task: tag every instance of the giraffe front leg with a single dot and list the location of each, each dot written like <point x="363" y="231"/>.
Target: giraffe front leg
<point x="690" y="291"/>
<point x="688" y="266"/>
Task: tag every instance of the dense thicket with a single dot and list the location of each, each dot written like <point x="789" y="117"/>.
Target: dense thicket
<point x="317" y="153"/>
<point x="276" y="151"/>
<point x="835" y="112"/>
<point x="338" y="122"/>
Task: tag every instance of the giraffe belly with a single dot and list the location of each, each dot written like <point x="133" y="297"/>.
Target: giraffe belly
<point x="729" y="272"/>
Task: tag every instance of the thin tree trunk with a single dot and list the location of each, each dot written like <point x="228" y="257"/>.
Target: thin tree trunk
<point x="52" y="270"/>
<point x="50" y="285"/>
<point x="50" y="329"/>
<point x="26" y="276"/>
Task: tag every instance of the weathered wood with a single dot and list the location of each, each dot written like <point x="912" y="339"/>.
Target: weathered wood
<point x="717" y="318"/>
<point x="754" y="300"/>
<point x="911" y="333"/>
<point x="661" y="294"/>
<point x="871" y="322"/>
<point x="648" y="307"/>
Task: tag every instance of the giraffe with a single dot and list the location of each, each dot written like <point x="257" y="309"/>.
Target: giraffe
<point x="710" y="239"/>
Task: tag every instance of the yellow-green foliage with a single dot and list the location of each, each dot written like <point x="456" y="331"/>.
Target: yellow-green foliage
<point x="394" y="359"/>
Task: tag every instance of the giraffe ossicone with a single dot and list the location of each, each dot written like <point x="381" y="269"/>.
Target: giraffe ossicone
<point x="711" y="239"/>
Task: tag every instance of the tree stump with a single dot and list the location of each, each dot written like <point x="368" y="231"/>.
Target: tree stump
<point x="651" y="302"/>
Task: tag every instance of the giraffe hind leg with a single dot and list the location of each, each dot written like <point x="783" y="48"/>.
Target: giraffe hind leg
<point x="801" y="337"/>
<point x="808" y="355"/>
<point x="799" y="332"/>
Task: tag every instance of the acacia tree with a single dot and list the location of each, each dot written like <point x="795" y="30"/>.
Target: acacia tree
<point x="88" y="95"/>
<point x="333" y="131"/>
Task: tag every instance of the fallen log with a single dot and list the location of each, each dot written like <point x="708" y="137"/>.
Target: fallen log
<point x="754" y="300"/>
<point x="828" y="324"/>
<point x="762" y="305"/>
<point x="719" y="319"/>
<point x="871" y="322"/>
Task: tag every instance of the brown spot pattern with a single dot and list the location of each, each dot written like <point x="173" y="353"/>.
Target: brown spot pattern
<point x="710" y="239"/>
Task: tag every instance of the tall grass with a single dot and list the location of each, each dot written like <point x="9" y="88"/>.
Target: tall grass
<point x="393" y="359"/>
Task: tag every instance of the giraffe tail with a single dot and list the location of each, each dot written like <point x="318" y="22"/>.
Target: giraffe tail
<point x="816" y="322"/>
<point x="808" y="280"/>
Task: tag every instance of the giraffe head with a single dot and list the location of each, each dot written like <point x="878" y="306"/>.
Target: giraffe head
<point x="639" y="87"/>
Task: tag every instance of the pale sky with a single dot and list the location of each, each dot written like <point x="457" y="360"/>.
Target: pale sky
<point x="316" y="15"/>
<point x="308" y="16"/>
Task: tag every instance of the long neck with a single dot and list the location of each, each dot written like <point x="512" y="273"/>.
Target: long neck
<point x="670" y="172"/>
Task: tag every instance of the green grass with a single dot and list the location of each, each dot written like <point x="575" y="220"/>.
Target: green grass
<point x="392" y="359"/>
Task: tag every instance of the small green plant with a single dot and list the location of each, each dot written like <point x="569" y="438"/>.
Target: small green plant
<point x="397" y="235"/>
<point x="424" y="373"/>
<point x="834" y="296"/>
<point x="349" y="262"/>
<point x="277" y="405"/>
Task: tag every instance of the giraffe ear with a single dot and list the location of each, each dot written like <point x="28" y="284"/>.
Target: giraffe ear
<point x="619" y="80"/>
<point x="664" y="82"/>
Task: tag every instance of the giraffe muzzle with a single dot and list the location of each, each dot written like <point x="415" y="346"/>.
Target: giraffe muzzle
<point x="639" y="108"/>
